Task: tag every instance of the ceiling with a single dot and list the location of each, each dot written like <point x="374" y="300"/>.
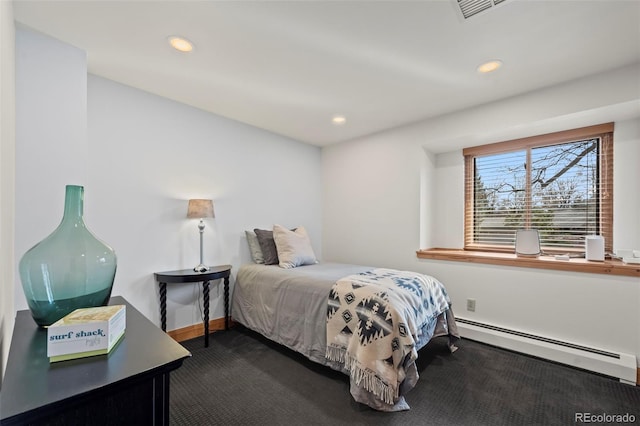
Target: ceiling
<point x="290" y="66"/>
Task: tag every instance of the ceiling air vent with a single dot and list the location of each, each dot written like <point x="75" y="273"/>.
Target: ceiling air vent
<point x="473" y="7"/>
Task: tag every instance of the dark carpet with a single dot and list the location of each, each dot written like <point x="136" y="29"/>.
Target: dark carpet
<point x="244" y="379"/>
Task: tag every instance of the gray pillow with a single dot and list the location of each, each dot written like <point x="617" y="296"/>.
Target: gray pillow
<point x="268" y="246"/>
<point x="254" y="247"/>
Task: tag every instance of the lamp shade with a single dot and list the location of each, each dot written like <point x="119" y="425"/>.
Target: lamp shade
<point x="199" y="208"/>
<point x="527" y="242"/>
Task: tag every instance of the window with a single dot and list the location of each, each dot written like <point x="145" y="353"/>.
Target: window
<point x="559" y="183"/>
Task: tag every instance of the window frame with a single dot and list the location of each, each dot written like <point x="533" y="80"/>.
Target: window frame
<point x="605" y="160"/>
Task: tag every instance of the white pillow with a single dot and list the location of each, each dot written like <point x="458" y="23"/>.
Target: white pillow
<point x="294" y="247"/>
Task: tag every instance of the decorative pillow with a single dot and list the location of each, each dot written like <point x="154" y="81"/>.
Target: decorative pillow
<point x="254" y="247"/>
<point x="294" y="247"/>
<point x="267" y="246"/>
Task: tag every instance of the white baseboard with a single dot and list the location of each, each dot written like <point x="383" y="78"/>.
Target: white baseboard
<point x="619" y="365"/>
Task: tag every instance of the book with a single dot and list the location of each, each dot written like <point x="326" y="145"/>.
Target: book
<point x="86" y="332"/>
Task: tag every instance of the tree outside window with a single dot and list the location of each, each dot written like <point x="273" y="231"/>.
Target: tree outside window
<point x="557" y="183"/>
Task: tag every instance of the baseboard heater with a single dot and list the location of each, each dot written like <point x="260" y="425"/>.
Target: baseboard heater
<point x="619" y="365"/>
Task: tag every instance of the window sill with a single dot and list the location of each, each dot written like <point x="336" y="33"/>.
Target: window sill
<point x="608" y="267"/>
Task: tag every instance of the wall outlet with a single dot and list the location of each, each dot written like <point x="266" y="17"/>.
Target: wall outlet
<point x="471" y="305"/>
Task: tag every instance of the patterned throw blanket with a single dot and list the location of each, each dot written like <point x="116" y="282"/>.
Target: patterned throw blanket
<point x="373" y="322"/>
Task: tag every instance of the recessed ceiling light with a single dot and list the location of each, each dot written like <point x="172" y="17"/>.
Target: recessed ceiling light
<point x="338" y="120"/>
<point x="489" y="66"/>
<point x="180" y="43"/>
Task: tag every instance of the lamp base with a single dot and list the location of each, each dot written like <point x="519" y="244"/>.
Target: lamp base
<point x="201" y="268"/>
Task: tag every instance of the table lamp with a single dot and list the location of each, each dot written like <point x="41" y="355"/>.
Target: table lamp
<point x="199" y="209"/>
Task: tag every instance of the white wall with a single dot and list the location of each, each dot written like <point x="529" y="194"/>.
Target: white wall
<point x="51" y="143"/>
<point x="387" y="195"/>
<point x="7" y="178"/>
<point x="143" y="157"/>
<point x="626" y="210"/>
<point x="149" y="155"/>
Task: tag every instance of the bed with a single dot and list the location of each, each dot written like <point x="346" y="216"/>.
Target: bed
<point x="343" y="316"/>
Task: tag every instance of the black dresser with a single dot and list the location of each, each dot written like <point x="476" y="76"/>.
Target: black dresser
<point x="129" y="386"/>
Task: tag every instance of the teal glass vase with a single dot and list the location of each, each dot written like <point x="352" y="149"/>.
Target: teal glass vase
<point x="69" y="269"/>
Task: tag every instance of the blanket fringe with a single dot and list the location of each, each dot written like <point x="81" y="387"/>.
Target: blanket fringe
<point x="335" y="354"/>
<point x="364" y="378"/>
<point x="371" y="382"/>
